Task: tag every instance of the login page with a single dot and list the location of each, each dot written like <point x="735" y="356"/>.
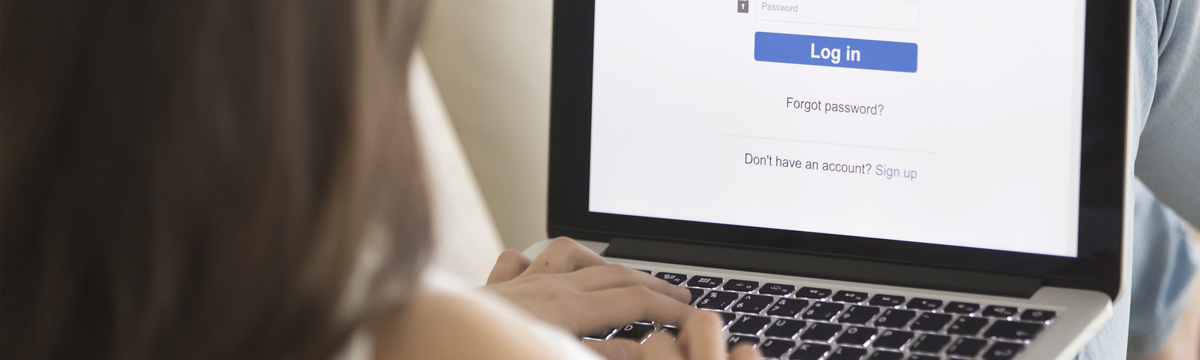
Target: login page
<point x="933" y="121"/>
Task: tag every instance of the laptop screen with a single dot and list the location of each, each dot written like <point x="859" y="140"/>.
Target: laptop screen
<point x="931" y="121"/>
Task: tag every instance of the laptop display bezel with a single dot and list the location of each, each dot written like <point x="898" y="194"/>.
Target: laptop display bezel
<point x="1102" y="169"/>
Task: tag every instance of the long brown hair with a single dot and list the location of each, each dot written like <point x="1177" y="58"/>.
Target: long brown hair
<point x="210" y="179"/>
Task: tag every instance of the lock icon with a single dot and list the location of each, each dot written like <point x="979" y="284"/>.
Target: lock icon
<point x="743" y="6"/>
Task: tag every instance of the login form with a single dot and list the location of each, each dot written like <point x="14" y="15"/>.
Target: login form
<point x="933" y="121"/>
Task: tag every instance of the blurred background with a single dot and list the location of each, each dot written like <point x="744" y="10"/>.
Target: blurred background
<point x="482" y="104"/>
<point x="491" y="62"/>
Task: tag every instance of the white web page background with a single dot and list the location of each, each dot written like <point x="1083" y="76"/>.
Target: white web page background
<point x="989" y="123"/>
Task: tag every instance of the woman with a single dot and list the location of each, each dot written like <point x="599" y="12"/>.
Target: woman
<point x="236" y="179"/>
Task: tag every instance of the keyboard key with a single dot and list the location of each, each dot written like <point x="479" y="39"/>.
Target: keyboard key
<point x="813" y="293"/>
<point x="696" y="294"/>
<point x="1038" y="315"/>
<point x="717" y="300"/>
<point x="707" y="282"/>
<point x="886" y="300"/>
<point x="670" y="329"/>
<point x="924" y="304"/>
<point x="740" y="285"/>
<point x="648" y="272"/>
<point x="999" y="311"/>
<point x="886" y="355"/>
<point x="966" y="347"/>
<point x="784" y="328"/>
<point x="774" y="348"/>
<point x="858" y="315"/>
<point x="809" y="351"/>
<point x="922" y="357"/>
<point x="787" y="307"/>
<point x="633" y="331"/>
<point x="776" y="289"/>
<point x="895" y="318"/>
<point x="738" y="339"/>
<point x="857" y="336"/>
<point x="821" y="332"/>
<point x="673" y="278"/>
<point x="850" y="296"/>
<point x="823" y="311"/>
<point x="893" y="339"/>
<point x="752" y="304"/>
<point x="749" y="325"/>
<point x="961" y="307"/>
<point x="1003" y="351"/>
<point x="1013" y="330"/>
<point x="967" y="326"/>
<point x="728" y="317"/>
<point x="931" y="322"/>
<point x="931" y="343"/>
<point x="847" y="353"/>
<point x="603" y="335"/>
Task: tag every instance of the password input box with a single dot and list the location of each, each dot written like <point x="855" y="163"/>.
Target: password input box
<point x="882" y="14"/>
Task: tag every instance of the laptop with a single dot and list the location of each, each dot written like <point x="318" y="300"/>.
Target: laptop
<point x="853" y="179"/>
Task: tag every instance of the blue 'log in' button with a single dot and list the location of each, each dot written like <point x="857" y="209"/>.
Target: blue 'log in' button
<point x="836" y="52"/>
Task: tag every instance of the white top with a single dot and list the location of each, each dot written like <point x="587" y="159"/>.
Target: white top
<point x="556" y="340"/>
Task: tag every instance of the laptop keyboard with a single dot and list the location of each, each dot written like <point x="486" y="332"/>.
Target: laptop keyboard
<point x="786" y="321"/>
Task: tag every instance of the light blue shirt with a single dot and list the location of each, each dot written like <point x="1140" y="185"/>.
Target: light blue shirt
<point x="1165" y="79"/>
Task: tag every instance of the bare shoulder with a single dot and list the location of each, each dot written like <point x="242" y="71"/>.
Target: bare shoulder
<point x="444" y="325"/>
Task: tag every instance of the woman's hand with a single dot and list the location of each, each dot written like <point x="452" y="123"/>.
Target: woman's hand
<point x="571" y="286"/>
<point x="700" y="338"/>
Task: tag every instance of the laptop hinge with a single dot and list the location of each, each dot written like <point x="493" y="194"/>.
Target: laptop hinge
<point x="824" y="267"/>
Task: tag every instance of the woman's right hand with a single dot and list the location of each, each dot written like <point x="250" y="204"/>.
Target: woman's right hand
<point x="700" y="338"/>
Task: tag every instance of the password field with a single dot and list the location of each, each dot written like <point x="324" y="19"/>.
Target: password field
<point x="881" y="14"/>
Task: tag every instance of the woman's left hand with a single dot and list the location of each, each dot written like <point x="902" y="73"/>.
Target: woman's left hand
<point x="571" y="286"/>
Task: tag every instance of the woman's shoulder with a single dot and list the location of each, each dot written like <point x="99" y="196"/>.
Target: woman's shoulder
<point x="451" y="322"/>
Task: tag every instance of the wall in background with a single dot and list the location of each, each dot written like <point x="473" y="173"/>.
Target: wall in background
<point x="491" y="61"/>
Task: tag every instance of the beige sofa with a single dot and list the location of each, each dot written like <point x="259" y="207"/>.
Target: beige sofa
<point x="466" y="240"/>
<point x="491" y="61"/>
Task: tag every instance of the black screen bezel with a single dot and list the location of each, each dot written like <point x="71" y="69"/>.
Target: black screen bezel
<point x="1102" y="170"/>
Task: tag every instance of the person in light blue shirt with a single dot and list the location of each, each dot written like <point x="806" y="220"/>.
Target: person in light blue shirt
<point x="1165" y="80"/>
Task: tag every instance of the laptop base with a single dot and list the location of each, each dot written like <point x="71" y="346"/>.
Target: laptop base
<point x="834" y="320"/>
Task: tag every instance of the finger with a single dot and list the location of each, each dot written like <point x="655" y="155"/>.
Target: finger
<point x="615" y="349"/>
<point x="701" y="337"/>
<point x="563" y="256"/>
<point x="510" y="264"/>
<point x="745" y="351"/>
<point x="611" y="308"/>
<point x="618" y="276"/>
<point x="659" y="346"/>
